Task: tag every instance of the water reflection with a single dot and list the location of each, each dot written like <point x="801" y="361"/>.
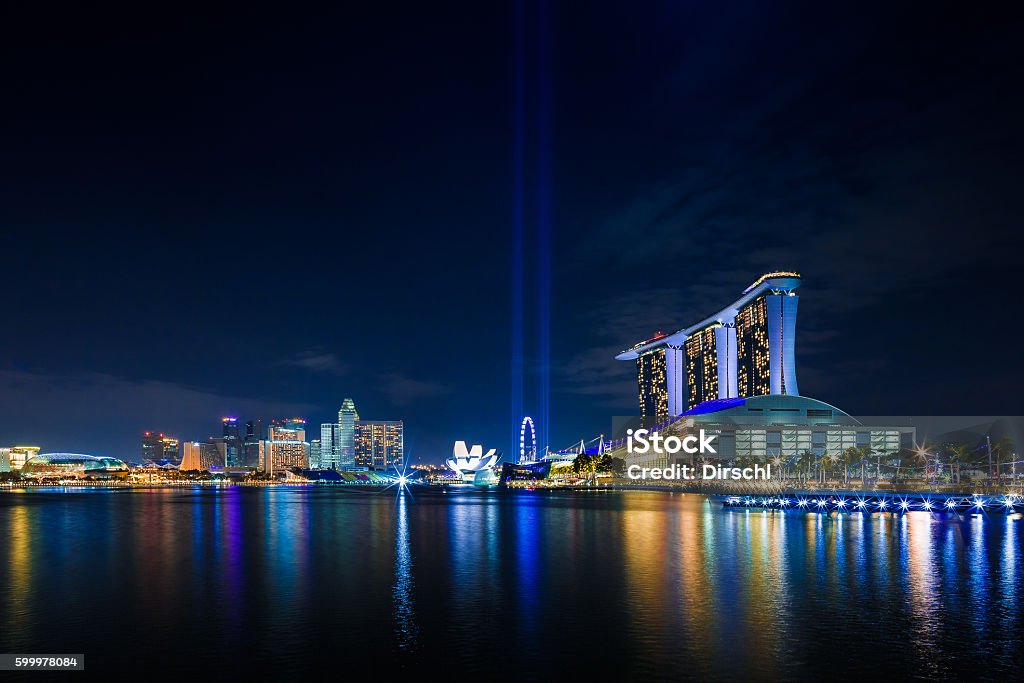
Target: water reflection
<point x="405" y="617"/>
<point x="922" y="584"/>
<point x="537" y="585"/>
<point x="19" y="568"/>
<point x="527" y="545"/>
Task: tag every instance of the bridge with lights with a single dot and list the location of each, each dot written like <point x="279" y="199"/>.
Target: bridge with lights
<point x="894" y="502"/>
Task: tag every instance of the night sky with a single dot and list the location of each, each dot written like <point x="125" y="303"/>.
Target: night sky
<point x="259" y="214"/>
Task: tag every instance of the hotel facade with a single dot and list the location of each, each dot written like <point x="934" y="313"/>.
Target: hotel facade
<point x="744" y="350"/>
<point x="380" y="444"/>
<point x="733" y="375"/>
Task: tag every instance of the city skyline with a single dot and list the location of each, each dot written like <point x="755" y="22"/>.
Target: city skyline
<point x="442" y="239"/>
<point x="527" y="340"/>
<point x="350" y="443"/>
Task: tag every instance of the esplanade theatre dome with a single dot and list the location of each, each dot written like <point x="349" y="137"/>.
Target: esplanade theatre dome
<point x="71" y="464"/>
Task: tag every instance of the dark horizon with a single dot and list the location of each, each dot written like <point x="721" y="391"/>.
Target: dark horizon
<point x="259" y="214"/>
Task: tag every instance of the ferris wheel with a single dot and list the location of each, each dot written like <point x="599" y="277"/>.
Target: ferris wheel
<point x="527" y="453"/>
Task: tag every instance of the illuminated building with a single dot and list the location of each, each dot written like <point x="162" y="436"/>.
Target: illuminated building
<point x="659" y="375"/>
<point x="203" y="456"/>
<point x="469" y="464"/>
<point x="746" y="349"/>
<point x="778" y="426"/>
<point x="379" y="445"/>
<point x="314" y="454"/>
<point x="232" y="442"/>
<point x="285" y="446"/>
<point x="296" y="424"/>
<point x="709" y="354"/>
<point x="191" y="457"/>
<point x="13" y="458"/>
<point x="157" y="447"/>
<point x="172" y="449"/>
<point x="65" y="465"/>
<point x="346" y="437"/>
<point x="330" y="446"/>
<point x="152" y="446"/>
<point x="251" y="443"/>
<point x="524" y="474"/>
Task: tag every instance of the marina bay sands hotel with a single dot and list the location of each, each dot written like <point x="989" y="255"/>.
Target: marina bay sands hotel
<point x="744" y="350"/>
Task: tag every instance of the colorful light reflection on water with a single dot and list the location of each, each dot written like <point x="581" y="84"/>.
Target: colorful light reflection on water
<point x="535" y="584"/>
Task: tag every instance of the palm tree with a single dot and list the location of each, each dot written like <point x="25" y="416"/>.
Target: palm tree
<point x="956" y="453"/>
<point x="1001" y="452"/>
<point x="865" y="453"/>
<point x="778" y="462"/>
<point x="850" y="457"/>
<point x="903" y="458"/>
<point x="828" y="462"/>
<point x="806" y="458"/>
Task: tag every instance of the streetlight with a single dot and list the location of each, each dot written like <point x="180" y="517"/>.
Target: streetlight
<point x="922" y="454"/>
<point x="988" y="440"/>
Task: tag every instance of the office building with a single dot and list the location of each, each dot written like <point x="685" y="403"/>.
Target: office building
<point x="172" y="449"/>
<point x="203" y="456"/>
<point x="293" y="423"/>
<point x="330" y="446"/>
<point x="745" y="350"/>
<point x="315" y="461"/>
<point x="232" y="442"/>
<point x="251" y="443"/>
<point x="285" y="446"/>
<point x="157" y="447"/>
<point x="380" y="445"/>
<point x="345" y="446"/>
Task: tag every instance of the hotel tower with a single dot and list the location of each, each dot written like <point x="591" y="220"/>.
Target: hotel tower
<point x="746" y="349"/>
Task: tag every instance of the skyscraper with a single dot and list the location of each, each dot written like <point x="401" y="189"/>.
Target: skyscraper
<point x="347" y="419"/>
<point x="650" y="372"/>
<point x="191" y="457"/>
<point x="746" y="349"/>
<point x="765" y="332"/>
<point x="330" y="445"/>
<point x="172" y="449"/>
<point x="660" y="379"/>
<point x="711" y="363"/>
<point x="380" y="445"/>
<point x="251" y="444"/>
<point x="285" y="447"/>
<point x="152" y="446"/>
<point x="232" y="442"/>
<point x="157" y="447"/>
<point x="202" y="455"/>
<point x="315" y="462"/>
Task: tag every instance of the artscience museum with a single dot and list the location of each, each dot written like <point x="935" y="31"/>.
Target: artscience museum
<point x="473" y="465"/>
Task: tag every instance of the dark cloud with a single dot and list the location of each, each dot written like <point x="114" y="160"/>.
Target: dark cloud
<point x="318" y="361"/>
<point x="404" y="391"/>
<point x="879" y="169"/>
